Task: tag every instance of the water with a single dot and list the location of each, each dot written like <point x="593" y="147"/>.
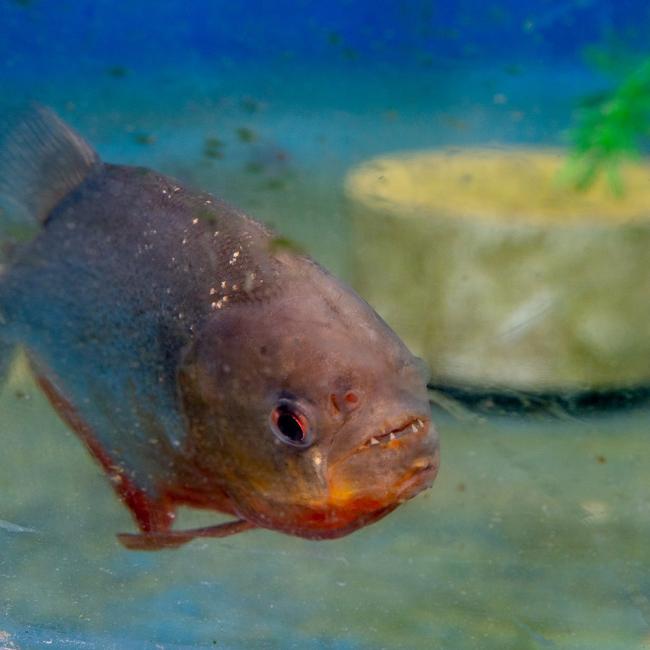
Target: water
<point x="535" y="536"/>
<point x="535" y="533"/>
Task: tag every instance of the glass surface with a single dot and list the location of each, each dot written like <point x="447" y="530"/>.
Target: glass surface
<point x="535" y="532"/>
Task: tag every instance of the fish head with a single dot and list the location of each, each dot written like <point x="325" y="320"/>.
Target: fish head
<point x="309" y="410"/>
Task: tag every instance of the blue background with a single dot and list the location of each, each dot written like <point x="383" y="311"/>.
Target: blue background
<point x="54" y="37"/>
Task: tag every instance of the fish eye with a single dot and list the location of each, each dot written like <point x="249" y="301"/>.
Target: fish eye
<point x="290" y="425"/>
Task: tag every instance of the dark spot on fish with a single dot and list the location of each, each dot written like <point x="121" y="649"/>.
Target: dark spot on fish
<point x="20" y="394"/>
<point x="144" y="138"/>
<point x="461" y="487"/>
<point x="600" y="459"/>
<point x="280" y="244"/>
<point x="23" y="3"/>
<point x="117" y="71"/>
<point x="350" y="54"/>
<point x="245" y="134"/>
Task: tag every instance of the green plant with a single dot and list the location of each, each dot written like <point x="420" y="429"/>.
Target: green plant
<point x="610" y="128"/>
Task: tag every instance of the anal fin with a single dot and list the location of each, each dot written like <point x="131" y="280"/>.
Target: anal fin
<point x="154" y="513"/>
<point x="151" y="514"/>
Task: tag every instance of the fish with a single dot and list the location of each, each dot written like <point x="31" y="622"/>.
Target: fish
<point x="200" y="364"/>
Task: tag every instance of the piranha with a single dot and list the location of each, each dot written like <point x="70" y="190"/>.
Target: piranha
<point x="201" y="363"/>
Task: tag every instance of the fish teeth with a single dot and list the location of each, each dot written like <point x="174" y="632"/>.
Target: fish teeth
<point x="415" y="427"/>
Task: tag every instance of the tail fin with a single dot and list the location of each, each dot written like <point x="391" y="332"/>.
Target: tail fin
<point x="41" y="160"/>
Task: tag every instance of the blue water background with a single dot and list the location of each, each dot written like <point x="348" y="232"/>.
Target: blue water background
<point x="48" y="37"/>
<point x="511" y="560"/>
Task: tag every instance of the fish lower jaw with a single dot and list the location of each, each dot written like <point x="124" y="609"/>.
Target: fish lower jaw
<point x="422" y="475"/>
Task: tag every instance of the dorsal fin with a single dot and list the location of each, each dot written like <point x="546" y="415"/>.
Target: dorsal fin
<point x="41" y="160"/>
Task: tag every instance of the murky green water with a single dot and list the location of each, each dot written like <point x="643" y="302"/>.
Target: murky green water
<point x="534" y="536"/>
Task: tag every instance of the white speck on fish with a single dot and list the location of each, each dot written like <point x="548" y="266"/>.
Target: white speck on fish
<point x="248" y="281"/>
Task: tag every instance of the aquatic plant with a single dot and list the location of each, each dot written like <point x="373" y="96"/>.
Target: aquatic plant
<point x="610" y="128"/>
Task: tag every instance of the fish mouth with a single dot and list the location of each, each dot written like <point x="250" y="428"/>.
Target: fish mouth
<point x="391" y="436"/>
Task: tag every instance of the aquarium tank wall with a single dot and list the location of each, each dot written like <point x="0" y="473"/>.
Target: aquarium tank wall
<point x="210" y="441"/>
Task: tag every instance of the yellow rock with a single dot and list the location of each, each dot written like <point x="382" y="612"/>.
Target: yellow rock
<point x="498" y="275"/>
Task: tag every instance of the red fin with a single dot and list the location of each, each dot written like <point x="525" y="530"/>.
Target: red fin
<point x="150" y="514"/>
<point x="154" y="541"/>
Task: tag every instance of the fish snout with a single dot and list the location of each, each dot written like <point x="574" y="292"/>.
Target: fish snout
<point x="390" y="465"/>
